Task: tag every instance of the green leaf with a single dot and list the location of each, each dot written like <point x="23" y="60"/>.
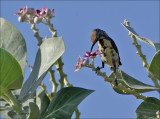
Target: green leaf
<point x="130" y="82"/>
<point x="65" y="102"/>
<point x="155" y="45"/>
<point x="148" y="108"/>
<point x="10" y="72"/>
<point x="12" y="41"/>
<point x="42" y="101"/>
<point x="154" y="67"/>
<point x="34" y="112"/>
<point x="50" y="50"/>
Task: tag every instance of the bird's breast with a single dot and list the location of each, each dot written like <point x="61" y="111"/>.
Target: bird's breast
<point x="108" y="54"/>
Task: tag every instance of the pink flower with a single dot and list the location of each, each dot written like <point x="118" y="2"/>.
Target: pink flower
<point x="48" y="12"/>
<point x="31" y="15"/>
<point x="92" y="54"/>
<point x="45" y="13"/>
<point x="81" y="63"/>
<point x="25" y="10"/>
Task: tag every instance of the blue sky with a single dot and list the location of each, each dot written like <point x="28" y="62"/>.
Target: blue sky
<point x="75" y="22"/>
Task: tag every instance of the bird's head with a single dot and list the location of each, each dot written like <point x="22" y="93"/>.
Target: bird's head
<point x="95" y="36"/>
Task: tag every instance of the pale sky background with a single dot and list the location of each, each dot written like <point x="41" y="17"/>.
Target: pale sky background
<point x="75" y="22"/>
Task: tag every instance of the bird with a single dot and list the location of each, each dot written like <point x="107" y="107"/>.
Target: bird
<point x="108" y="50"/>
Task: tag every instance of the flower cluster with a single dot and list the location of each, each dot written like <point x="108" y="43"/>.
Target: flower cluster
<point x="34" y="16"/>
<point x="85" y="61"/>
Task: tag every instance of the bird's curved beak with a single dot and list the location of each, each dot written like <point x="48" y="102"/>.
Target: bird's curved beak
<point x="93" y="46"/>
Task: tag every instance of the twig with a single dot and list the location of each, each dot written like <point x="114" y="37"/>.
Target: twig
<point x="120" y="86"/>
<point x="54" y="83"/>
<point x="77" y="113"/>
<point x="131" y="91"/>
<point x="63" y="77"/>
<point x="59" y="67"/>
<point x="29" y="65"/>
<point x="44" y="88"/>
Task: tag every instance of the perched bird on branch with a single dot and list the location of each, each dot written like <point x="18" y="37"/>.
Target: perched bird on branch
<point x="108" y="49"/>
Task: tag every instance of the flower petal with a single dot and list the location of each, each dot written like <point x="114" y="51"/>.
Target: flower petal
<point x="78" y="65"/>
<point x="97" y="51"/>
<point x="52" y="13"/>
<point x="38" y="11"/>
<point x="44" y="8"/>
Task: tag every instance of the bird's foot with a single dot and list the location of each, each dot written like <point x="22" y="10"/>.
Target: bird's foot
<point x="114" y="83"/>
<point x="97" y="69"/>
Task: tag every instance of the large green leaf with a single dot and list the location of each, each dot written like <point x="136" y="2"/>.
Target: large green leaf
<point x="148" y="108"/>
<point x="12" y="41"/>
<point x="130" y="82"/>
<point x="48" y="53"/>
<point x="42" y="101"/>
<point x="10" y="72"/>
<point x="154" y="67"/>
<point x="145" y="40"/>
<point x="65" y="102"/>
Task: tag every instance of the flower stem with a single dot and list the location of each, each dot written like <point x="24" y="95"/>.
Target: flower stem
<point x="36" y="34"/>
<point x="51" y="29"/>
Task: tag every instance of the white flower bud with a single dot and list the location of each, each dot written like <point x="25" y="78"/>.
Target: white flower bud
<point x="85" y="61"/>
<point x="21" y="18"/>
<point x="37" y="20"/>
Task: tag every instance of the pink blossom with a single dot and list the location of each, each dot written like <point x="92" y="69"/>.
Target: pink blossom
<point x="79" y="64"/>
<point x="92" y="54"/>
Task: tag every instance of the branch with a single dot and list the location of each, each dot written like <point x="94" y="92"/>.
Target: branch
<point x="77" y="113"/>
<point x="142" y="56"/>
<point x="44" y="88"/>
<point x="36" y="34"/>
<point x="59" y="67"/>
<point x="63" y="77"/>
<point x="120" y="86"/>
<point x="54" y="83"/>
